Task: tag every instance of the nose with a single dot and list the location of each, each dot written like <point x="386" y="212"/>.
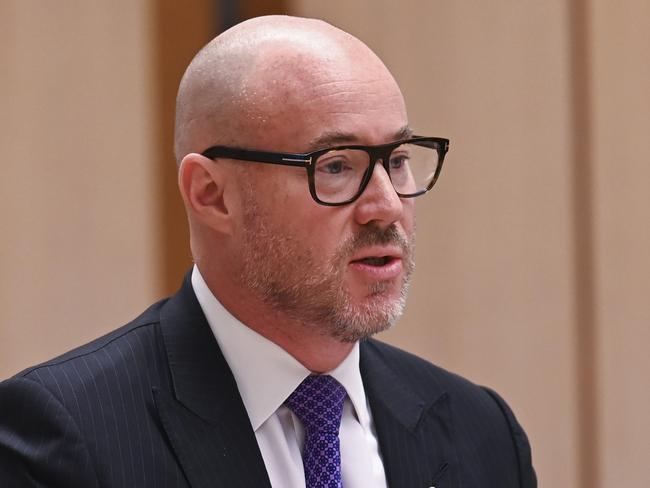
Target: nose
<point x="379" y="202"/>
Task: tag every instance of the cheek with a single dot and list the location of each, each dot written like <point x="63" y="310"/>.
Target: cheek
<point x="408" y="215"/>
<point x="317" y="229"/>
<point x="286" y="187"/>
<point x="277" y="194"/>
<point x="320" y="229"/>
<point x="284" y="199"/>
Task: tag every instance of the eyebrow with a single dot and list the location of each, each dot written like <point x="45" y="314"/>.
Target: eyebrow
<point x="335" y="138"/>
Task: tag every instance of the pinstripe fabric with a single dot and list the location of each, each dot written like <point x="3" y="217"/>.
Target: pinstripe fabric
<point x="154" y="404"/>
<point x="438" y="429"/>
<point x="85" y="419"/>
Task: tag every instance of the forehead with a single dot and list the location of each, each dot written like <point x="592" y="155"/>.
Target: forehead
<point x="295" y="96"/>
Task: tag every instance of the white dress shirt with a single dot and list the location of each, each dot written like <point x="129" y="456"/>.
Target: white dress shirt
<point x="266" y="375"/>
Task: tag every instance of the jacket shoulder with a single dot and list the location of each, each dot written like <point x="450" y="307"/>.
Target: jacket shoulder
<point x="420" y="374"/>
<point x="481" y="418"/>
<point x="129" y="352"/>
<point x="77" y="419"/>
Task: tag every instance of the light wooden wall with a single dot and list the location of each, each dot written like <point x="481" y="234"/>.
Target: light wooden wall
<point x="93" y="227"/>
<point x="533" y="262"/>
<point x="78" y="245"/>
<point x="620" y="124"/>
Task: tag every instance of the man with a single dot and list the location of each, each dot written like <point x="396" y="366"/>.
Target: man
<point x="260" y="370"/>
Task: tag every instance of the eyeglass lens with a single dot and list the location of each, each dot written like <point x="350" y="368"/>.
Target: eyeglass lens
<point x="339" y="173"/>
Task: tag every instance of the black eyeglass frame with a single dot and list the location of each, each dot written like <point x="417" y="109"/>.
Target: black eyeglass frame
<point x="378" y="153"/>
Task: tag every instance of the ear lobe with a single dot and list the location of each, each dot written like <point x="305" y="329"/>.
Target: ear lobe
<point x="202" y="184"/>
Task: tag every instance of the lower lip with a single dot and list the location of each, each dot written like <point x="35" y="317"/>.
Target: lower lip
<point x="388" y="271"/>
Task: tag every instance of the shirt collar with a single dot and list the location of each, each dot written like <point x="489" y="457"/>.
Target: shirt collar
<point x="265" y="373"/>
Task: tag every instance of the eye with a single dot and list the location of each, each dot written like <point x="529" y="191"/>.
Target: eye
<point x="399" y="161"/>
<point x="333" y="166"/>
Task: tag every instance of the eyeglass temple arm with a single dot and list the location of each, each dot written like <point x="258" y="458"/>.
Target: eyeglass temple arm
<point x="286" y="159"/>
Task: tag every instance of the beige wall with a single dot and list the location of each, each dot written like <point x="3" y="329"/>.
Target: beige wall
<point x="620" y="71"/>
<point x="532" y="250"/>
<point x="78" y="247"/>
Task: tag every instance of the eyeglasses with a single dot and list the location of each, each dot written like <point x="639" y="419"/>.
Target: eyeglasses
<point x="339" y="175"/>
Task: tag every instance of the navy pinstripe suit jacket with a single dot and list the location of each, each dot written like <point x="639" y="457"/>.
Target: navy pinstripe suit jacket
<point x="154" y="404"/>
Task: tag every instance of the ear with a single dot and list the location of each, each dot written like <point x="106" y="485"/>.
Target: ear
<point x="202" y="185"/>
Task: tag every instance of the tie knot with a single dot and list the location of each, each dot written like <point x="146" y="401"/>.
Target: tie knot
<point x="318" y="403"/>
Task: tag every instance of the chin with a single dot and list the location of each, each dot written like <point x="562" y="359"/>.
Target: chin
<point x="363" y="293"/>
<point x="376" y="312"/>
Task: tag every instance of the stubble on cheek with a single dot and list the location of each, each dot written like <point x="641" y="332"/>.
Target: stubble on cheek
<point x="292" y="280"/>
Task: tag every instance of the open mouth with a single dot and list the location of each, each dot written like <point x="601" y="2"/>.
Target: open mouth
<point x="375" y="260"/>
<point x="377" y="265"/>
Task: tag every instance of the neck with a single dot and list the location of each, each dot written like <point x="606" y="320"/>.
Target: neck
<point x="316" y="352"/>
<point x="308" y="344"/>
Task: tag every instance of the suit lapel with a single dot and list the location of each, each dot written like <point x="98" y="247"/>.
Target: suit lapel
<point x="414" y="428"/>
<point x="204" y="416"/>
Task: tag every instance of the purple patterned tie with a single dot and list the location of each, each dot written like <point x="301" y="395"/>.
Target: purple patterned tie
<point x="318" y="403"/>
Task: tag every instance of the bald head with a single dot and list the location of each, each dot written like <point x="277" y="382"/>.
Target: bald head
<point x="246" y="79"/>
